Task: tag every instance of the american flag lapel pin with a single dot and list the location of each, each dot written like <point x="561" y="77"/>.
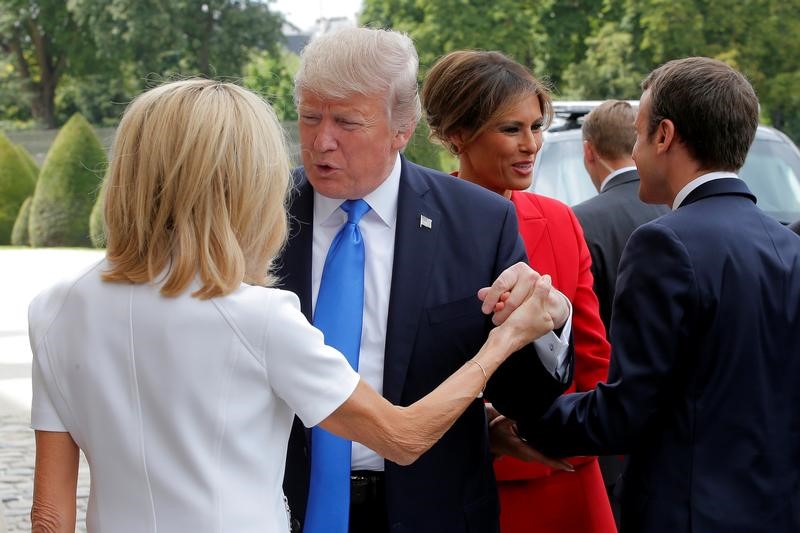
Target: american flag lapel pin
<point x="425" y="222"/>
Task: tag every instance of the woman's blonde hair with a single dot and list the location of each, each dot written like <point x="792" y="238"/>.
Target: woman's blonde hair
<point x="197" y="188"/>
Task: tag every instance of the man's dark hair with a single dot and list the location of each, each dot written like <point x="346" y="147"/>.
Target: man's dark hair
<point x="713" y="107"/>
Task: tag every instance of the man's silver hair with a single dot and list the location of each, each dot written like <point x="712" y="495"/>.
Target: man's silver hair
<point x="365" y="61"/>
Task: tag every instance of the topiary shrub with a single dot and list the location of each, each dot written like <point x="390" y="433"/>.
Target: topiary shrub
<point x="27" y="158"/>
<point x="16" y="184"/>
<point x="97" y="225"/>
<point x="67" y="187"/>
<point x="20" y="236"/>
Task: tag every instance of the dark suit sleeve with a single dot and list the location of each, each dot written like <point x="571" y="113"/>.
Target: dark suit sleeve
<point x="654" y="308"/>
<point x="522" y="386"/>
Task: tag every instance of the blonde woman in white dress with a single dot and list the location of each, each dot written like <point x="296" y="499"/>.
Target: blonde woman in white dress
<point x="174" y="366"/>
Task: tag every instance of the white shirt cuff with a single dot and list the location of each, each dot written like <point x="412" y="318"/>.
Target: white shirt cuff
<point x="552" y="350"/>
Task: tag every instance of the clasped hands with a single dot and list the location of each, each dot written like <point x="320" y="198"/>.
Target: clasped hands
<point x="509" y="291"/>
<point x="513" y="287"/>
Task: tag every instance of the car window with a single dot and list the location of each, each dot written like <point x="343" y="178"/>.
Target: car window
<point x="772" y="171"/>
<point x="560" y="173"/>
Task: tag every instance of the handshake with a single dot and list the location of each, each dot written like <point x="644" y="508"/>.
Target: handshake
<point x="516" y="289"/>
<point x="518" y="285"/>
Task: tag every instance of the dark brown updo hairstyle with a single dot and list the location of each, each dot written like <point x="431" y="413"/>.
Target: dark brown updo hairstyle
<point x="466" y="89"/>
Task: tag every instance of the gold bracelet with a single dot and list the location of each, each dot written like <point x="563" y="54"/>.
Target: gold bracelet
<point x="485" y="377"/>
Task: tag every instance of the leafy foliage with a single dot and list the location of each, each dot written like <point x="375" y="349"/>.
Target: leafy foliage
<point x="42" y="41"/>
<point x="213" y="38"/>
<point x="273" y="77"/>
<point x="67" y="187"/>
<point x="423" y="151"/>
<point x="92" y="56"/>
<point x="16" y="184"/>
<point x="602" y="49"/>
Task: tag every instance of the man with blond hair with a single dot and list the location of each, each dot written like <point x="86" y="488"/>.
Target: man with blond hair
<point x="609" y="218"/>
<point x="421" y="243"/>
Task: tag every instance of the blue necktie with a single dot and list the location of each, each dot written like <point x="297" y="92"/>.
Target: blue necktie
<point x="338" y="314"/>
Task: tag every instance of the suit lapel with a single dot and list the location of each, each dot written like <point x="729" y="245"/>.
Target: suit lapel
<point x="414" y="251"/>
<point x="533" y="224"/>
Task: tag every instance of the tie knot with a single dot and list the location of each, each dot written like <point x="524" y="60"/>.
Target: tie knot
<point x="355" y="209"/>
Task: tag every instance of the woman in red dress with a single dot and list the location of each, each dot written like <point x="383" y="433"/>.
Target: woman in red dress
<point x="490" y="111"/>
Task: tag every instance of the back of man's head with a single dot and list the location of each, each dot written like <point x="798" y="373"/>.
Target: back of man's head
<point x="713" y="107"/>
<point x="610" y="128"/>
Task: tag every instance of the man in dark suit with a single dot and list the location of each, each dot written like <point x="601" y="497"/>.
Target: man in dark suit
<point x="609" y="218"/>
<point x="704" y="387"/>
<point x="431" y="241"/>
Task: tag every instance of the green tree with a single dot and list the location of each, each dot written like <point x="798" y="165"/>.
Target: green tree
<point x="16" y="184"/>
<point x="545" y="36"/>
<point x="211" y="38"/>
<point x="20" y="236"/>
<point x="423" y="151"/>
<point x="43" y="42"/>
<point x="101" y="98"/>
<point x="561" y="27"/>
<point x="441" y="26"/>
<point x="67" y="187"/>
<point x="609" y="69"/>
<point x="273" y="77"/>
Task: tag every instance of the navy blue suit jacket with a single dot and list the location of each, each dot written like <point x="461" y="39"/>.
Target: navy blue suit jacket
<point x="608" y="220"/>
<point x="704" y="385"/>
<point x="434" y="325"/>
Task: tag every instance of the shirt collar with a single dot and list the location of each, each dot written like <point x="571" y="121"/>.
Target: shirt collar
<point x="698" y="181"/>
<point x="382" y="201"/>
<point x="614" y="175"/>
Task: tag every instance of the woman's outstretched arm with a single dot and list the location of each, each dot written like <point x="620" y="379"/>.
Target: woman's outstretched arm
<point x="402" y="434"/>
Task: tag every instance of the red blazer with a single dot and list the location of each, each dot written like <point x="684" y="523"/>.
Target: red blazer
<point x="564" y="501"/>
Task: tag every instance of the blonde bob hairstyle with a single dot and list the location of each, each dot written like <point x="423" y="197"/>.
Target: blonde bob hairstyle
<point x="196" y="189"/>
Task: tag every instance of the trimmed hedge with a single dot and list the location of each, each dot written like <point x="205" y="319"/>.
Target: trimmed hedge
<point x="97" y="226"/>
<point x="67" y="187"/>
<point x="27" y="158"/>
<point x="20" y="234"/>
<point x="16" y="184"/>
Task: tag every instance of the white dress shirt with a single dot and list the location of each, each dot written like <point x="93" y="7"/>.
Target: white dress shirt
<point x="378" y="230"/>
<point x="698" y="181"/>
<point x="182" y="406"/>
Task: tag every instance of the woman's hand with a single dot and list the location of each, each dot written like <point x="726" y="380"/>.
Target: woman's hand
<point x="510" y="290"/>
<point x="530" y="319"/>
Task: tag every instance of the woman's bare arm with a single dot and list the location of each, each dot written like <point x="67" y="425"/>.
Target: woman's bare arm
<point x="402" y="434"/>
<point x="54" y="484"/>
